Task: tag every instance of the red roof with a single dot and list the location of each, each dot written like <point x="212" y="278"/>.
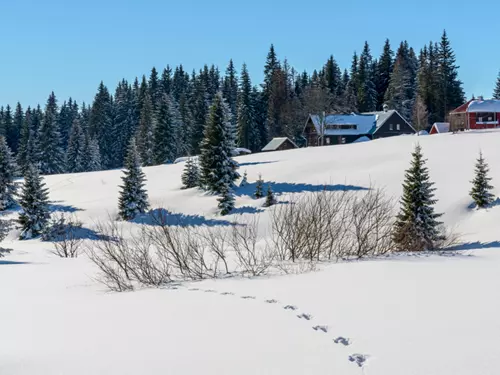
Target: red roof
<point x="463" y="107"/>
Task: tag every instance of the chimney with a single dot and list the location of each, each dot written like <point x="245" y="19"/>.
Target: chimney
<point x="385" y="107"/>
<point x="480" y="97"/>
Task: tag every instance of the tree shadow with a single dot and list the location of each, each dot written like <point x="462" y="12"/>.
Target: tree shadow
<point x="11" y="262"/>
<point x="475" y="246"/>
<point x="246" y="210"/>
<point x="256" y="163"/>
<point x="63" y="208"/>
<point x="288" y="188"/>
<point x="161" y="216"/>
<point x="81" y="233"/>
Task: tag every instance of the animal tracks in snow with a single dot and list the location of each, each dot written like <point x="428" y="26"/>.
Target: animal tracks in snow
<point x="359" y="359"/>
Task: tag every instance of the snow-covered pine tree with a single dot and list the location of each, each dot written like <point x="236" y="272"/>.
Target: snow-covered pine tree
<point x="145" y="134"/>
<point x="133" y="195"/>
<point x="8" y="170"/>
<point x="247" y="132"/>
<point x="417" y="226"/>
<point x="496" y="92"/>
<point x="49" y="139"/>
<point x="244" y="180"/>
<point x="190" y="176"/>
<point x="75" y="155"/>
<point x="165" y="132"/>
<point x="217" y="168"/>
<point x="270" y="199"/>
<point x="23" y="152"/>
<point x="34" y="199"/>
<point x="226" y="200"/>
<point x="92" y="155"/>
<point x="259" y="188"/>
<point x="481" y="186"/>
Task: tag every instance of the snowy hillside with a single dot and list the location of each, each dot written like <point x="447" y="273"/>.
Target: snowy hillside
<point x="425" y="315"/>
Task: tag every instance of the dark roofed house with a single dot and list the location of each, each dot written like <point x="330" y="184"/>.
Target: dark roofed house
<point x="390" y="123"/>
<point x="337" y="128"/>
<point x="280" y="144"/>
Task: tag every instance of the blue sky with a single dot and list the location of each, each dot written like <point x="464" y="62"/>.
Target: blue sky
<point x="69" y="47"/>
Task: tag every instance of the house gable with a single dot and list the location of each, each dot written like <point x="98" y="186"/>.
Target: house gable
<point x="393" y="125"/>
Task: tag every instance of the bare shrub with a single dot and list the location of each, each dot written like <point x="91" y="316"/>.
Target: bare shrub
<point x="251" y="258"/>
<point x="113" y="256"/>
<point x="217" y="241"/>
<point x="64" y="232"/>
<point x="370" y="226"/>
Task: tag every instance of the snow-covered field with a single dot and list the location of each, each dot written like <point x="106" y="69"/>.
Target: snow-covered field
<point x="426" y="315"/>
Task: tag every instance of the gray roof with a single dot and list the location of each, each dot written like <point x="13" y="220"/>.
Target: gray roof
<point x="382" y="116"/>
<point x="276" y="143"/>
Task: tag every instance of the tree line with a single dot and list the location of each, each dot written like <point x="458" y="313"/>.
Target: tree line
<point x="166" y="112"/>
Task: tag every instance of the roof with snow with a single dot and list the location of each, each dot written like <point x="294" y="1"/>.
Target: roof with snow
<point x="441" y="127"/>
<point x="345" y="124"/>
<point x="276" y="143"/>
<point x="382" y="116"/>
<point x="478" y="106"/>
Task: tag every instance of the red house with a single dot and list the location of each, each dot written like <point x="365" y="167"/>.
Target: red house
<point x="476" y="114"/>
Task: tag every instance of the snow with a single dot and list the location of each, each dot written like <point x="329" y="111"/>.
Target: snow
<point x="365" y="123"/>
<point x="478" y="106"/>
<point x="362" y="139"/>
<point x="412" y="315"/>
<point x="423" y="132"/>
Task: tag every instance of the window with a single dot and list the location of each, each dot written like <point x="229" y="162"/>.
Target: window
<point x="342" y="140"/>
<point x="327" y="140"/>
<point x="391" y="127"/>
<point x="398" y="127"/>
<point x="340" y="127"/>
<point x="486" y="117"/>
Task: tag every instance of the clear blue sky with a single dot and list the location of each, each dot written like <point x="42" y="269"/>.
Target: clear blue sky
<point x="70" y="46"/>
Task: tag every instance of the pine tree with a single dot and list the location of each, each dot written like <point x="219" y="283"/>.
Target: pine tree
<point x="8" y="170"/>
<point x="420" y="114"/>
<point x="384" y="70"/>
<point x="496" y="92"/>
<point x="75" y="155"/>
<point x="34" y="215"/>
<point x="14" y="132"/>
<point x="450" y="88"/>
<point x="247" y="136"/>
<point x="230" y="89"/>
<point x="191" y="175"/>
<point x="481" y="186"/>
<point x="226" y="200"/>
<point x="145" y="135"/>
<point x="417" y="225"/>
<point x="49" y="139"/>
<point x="92" y="155"/>
<point x="270" y="199"/>
<point x="259" y="188"/>
<point x="199" y="110"/>
<point x="165" y="135"/>
<point x="7" y="123"/>
<point x="366" y="93"/>
<point x="133" y="195"/>
<point x="244" y="180"/>
<point x="217" y="168"/>
<point x="24" y="143"/>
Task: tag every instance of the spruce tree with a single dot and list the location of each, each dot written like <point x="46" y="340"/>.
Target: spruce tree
<point x="226" y="200"/>
<point x="191" y="175"/>
<point x="8" y="171"/>
<point x="217" y="168"/>
<point x="14" y="132"/>
<point x="244" y="180"/>
<point x="496" y="92"/>
<point x="7" y="123"/>
<point x="34" y="199"/>
<point x="270" y="199"/>
<point x="384" y="71"/>
<point x="92" y="155"/>
<point x="24" y="143"/>
<point x="165" y="135"/>
<point x="133" y="195"/>
<point x="75" y="155"/>
<point x="49" y="139"/>
<point x="247" y="132"/>
<point x="230" y="89"/>
<point x="145" y="135"/>
<point x="259" y="188"/>
<point x="481" y="186"/>
<point x="417" y="226"/>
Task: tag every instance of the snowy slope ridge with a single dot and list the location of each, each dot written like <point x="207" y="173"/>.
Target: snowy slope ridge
<point x="429" y="314"/>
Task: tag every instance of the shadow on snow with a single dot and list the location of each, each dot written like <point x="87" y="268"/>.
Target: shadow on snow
<point x="289" y="188"/>
<point x="475" y="246"/>
<point x="256" y="163"/>
<point x="162" y="216"/>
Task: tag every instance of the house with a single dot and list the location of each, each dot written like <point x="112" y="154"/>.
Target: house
<point x="476" y="114"/>
<point x="280" y="144"/>
<point x="338" y="128"/>
<point x="440" y="127"/>
<point x="347" y="128"/>
<point x="390" y="123"/>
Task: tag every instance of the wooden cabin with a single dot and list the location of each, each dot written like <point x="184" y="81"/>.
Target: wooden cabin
<point x="279" y="144"/>
<point x="476" y="114"/>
